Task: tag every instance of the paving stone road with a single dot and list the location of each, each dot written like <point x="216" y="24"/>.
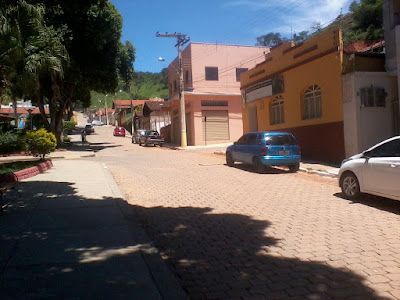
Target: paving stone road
<point x="229" y="233"/>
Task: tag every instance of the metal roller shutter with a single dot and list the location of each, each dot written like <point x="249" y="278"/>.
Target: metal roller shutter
<point x="215" y="125"/>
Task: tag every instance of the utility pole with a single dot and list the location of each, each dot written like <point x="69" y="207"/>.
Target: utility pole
<point x="181" y="40"/>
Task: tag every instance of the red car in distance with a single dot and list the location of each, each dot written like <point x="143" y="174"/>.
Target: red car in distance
<point x="119" y="131"/>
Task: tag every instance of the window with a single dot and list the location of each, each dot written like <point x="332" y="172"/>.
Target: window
<point x="312" y="106"/>
<point x="211" y="73"/>
<point x="372" y="97"/>
<point x="175" y="86"/>
<point x="240" y="71"/>
<point x="187" y="77"/>
<point x="251" y="139"/>
<point x="277" y="111"/>
<point x="213" y="103"/>
<point x="389" y="149"/>
<point x="284" y="140"/>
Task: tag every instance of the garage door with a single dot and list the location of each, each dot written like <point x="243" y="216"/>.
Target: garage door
<point x="215" y="125"/>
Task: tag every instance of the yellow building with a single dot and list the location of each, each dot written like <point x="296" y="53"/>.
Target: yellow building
<point x="298" y="89"/>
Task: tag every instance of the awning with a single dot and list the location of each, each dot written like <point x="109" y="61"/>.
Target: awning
<point x="6" y="118"/>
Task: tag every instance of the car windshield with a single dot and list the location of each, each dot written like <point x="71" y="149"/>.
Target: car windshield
<point x="275" y="140"/>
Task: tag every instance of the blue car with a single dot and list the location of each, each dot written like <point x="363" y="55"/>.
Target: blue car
<point x="265" y="149"/>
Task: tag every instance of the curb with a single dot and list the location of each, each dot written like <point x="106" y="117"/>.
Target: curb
<point x="320" y="173"/>
<point x="33" y="171"/>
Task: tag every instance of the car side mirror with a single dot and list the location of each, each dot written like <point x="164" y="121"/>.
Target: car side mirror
<point x="366" y="155"/>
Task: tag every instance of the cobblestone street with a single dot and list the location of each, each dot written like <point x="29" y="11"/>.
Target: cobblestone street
<point x="230" y="233"/>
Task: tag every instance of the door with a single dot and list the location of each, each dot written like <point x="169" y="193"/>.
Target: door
<point x="237" y="149"/>
<point x="251" y="148"/>
<point x="215" y="125"/>
<point x="381" y="173"/>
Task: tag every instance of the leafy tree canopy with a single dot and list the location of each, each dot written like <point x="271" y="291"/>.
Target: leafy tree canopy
<point x="363" y="22"/>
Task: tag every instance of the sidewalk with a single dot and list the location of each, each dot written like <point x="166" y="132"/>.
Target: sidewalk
<point x="71" y="235"/>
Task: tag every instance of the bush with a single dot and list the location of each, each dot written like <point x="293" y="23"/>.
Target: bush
<point x="69" y="126"/>
<point x="10" y="142"/>
<point x="40" y="142"/>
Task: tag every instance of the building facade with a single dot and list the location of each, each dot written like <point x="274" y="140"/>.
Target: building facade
<point x="391" y="25"/>
<point x="211" y="79"/>
<point x="317" y="91"/>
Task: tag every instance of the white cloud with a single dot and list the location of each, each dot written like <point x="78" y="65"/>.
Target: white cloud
<point x="280" y="16"/>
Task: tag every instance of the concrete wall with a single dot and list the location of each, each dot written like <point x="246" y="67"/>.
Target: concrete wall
<point x="366" y="126"/>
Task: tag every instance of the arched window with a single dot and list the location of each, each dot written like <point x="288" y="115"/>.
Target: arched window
<point x="277" y="111"/>
<point x="312" y="106"/>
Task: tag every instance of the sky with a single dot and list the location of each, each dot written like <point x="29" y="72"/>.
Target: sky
<point x="232" y="22"/>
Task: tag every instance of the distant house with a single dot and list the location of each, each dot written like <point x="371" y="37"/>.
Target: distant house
<point x="23" y="116"/>
<point x="124" y="110"/>
<point x="336" y="103"/>
<point x="155" y="115"/>
<point x="211" y="79"/>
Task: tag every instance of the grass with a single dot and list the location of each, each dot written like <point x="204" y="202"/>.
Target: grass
<point x="17" y="166"/>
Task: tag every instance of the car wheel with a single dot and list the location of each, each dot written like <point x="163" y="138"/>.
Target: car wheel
<point x="257" y="165"/>
<point x="140" y="143"/>
<point x="145" y="144"/>
<point x="133" y="141"/>
<point x="294" y="168"/>
<point x="161" y="145"/>
<point x="229" y="159"/>
<point x="350" y="185"/>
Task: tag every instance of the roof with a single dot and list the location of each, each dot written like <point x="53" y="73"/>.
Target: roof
<point x="6" y="118"/>
<point x="364" y="46"/>
<point x="134" y="103"/>
<point x="154" y="106"/>
<point x="22" y="110"/>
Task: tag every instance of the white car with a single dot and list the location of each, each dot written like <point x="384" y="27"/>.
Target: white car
<point x="375" y="171"/>
<point x="97" y="123"/>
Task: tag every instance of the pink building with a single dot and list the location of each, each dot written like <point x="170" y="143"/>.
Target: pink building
<point x="211" y="75"/>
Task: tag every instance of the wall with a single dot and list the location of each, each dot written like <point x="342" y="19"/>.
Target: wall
<point x="366" y="126"/>
<point x="316" y="61"/>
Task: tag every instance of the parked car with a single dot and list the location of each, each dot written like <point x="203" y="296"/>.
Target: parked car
<point x="119" y="131"/>
<point x="137" y="134"/>
<point x="374" y="171"/>
<point x="97" y="123"/>
<point x="151" y="137"/>
<point x="263" y="149"/>
<point x="89" y="129"/>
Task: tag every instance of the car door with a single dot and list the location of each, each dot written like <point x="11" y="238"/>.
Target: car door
<point x="251" y="148"/>
<point x="237" y="149"/>
<point x="381" y="172"/>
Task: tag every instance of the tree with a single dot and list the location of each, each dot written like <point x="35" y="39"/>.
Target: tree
<point x="90" y="30"/>
<point x="28" y="49"/>
<point x="270" y="39"/>
<point x="368" y="20"/>
<point x="300" y="37"/>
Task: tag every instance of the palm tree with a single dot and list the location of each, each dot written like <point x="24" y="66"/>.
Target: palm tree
<point x="29" y="50"/>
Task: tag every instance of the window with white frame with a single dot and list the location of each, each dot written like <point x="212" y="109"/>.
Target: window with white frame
<point x="277" y="111"/>
<point x="372" y="97"/>
<point x="312" y="103"/>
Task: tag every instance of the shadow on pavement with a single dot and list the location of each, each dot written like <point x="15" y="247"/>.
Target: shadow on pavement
<point x="86" y="146"/>
<point x="73" y="247"/>
<point x="224" y="256"/>
<point x="267" y="170"/>
<point x="85" y="248"/>
<point x="382" y="203"/>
